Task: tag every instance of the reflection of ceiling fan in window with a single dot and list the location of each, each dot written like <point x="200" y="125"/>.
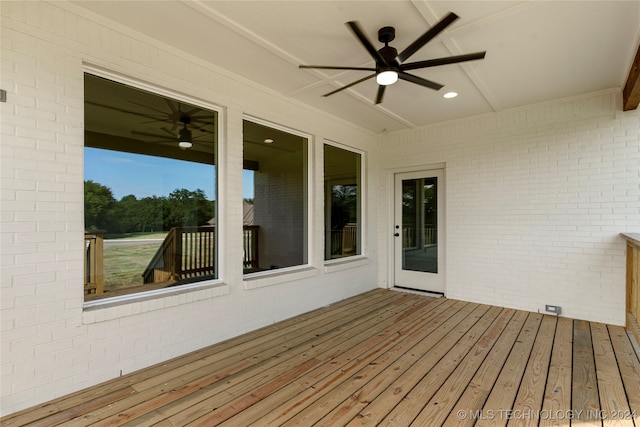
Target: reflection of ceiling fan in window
<point x="183" y="124"/>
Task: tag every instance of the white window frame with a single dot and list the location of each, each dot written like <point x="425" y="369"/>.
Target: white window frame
<point x="204" y="285"/>
<point x="286" y="274"/>
<point x="335" y="264"/>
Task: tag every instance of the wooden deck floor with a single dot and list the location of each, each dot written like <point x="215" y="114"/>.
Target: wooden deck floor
<point x="382" y="358"/>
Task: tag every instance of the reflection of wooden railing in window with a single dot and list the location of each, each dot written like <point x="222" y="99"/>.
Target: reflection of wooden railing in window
<point x="430" y="236"/>
<point x="185" y="253"/>
<point x="93" y="263"/>
<point x="162" y="266"/>
<point x="349" y="239"/>
<point x="336" y="242"/>
<point x="250" y="244"/>
<point x="410" y="236"/>
<point x="344" y="241"/>
<point x="189" y="253"/>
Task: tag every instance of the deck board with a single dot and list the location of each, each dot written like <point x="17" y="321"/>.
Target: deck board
<point x="531" y="391"/>
<point x="381" y="358"/>
<point x="277" y="357"/>
<point x="629" y="365"/>
<point x="613" y="398"/>
<point x="384" y="391"/>
<point x="557" y="397"/>
<point x="286" y="403"/>
<point x="440" y="405"/>
<point x="413" y="400"/>
<point x="472" y="398"/>
<point x="504" y="391"/>
<point x="584" y="384"/>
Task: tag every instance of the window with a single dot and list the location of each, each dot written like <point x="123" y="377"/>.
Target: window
<point x="275" y="183"/>
<point x="150" y="190"/>
<point x="342" y="181"/>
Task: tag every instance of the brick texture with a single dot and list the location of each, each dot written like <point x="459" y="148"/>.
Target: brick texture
<point x="51" y="344"/>
<point x="535" y="201"/>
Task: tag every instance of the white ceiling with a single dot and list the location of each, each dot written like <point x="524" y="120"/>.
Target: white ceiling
<point x="536" y="50"/>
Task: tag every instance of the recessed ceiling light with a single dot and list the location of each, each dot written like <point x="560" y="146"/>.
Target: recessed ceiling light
<point x="268" y="141"/>
<point x="450" y="95"/>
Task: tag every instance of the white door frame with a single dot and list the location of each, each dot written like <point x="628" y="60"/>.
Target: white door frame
<point x="432" y="283"/>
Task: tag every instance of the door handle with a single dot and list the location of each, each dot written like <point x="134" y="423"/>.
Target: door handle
<point x="396" y="234"/>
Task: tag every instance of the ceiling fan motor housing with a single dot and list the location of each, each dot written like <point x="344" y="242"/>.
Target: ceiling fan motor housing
<point x="386" y="34"/>
<point x="389" y="55"/>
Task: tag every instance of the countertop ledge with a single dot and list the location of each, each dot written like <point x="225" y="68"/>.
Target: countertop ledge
<point x="632" y="237"/>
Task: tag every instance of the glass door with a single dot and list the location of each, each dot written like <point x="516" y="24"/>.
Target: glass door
<point x="419" y="231"/>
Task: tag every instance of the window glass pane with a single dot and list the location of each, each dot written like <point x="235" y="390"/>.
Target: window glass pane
<point x="275" y="198"/>
<point x="420" y="224"/>
<point x="342" y="212"/>
<point x="150" y="190"/>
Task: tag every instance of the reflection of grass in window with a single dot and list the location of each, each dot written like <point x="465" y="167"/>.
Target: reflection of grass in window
<point x="124" y="265"/>
<point x="139" y="235"/>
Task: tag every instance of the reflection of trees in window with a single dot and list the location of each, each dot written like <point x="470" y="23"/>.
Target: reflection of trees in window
<point x="430" y="202"/>
<point x="344" y="204"/>
<point x="408" y="201"/>
<point x="98" y="201"/>
<point x="342" y="216"/>
<point x="188" y="208"/>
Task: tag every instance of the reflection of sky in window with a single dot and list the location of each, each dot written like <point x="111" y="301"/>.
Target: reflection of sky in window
<point x="146" y="176"/>
<point x="247" y="184"/>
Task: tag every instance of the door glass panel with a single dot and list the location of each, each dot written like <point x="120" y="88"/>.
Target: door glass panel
<point x="419" y="225"/>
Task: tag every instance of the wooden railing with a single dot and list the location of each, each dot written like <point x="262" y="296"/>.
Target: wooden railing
<point x="93" y="263"/>
<point x="250" y="242"/>
<point x="633" y="283"/>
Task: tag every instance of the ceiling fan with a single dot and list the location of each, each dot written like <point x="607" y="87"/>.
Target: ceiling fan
<point x="391" y="66"/>
<point x="177" y="117"/>
<point x="183" y="136"/>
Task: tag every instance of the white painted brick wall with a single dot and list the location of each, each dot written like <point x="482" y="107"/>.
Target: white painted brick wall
<point x="535" y="201"/>
<point x="536" y="198"/>
<point x="50" y="345"/>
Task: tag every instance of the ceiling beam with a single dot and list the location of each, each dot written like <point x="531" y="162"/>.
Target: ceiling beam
<point x="631" y="91"/>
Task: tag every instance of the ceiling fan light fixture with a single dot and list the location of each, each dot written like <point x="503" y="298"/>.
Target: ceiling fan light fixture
<point x="387" y="77"/>
<point x="450" y="95"/>
<point x="184" y="138"/>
